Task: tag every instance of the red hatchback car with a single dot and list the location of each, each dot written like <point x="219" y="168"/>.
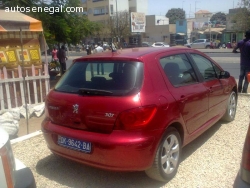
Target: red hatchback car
<point x="134" y="109"/>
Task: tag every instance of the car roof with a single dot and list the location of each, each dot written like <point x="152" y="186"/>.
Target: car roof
<point x="132" y="53"/>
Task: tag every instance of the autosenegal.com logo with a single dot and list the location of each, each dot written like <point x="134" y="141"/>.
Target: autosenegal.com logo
<point x="50" y="10"/>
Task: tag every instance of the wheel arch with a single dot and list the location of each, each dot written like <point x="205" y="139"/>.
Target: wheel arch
<point x="178" y="126"/>
<point x="236" y="91"/>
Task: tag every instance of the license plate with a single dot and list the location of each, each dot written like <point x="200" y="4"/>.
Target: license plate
<point x="74" y="144"/>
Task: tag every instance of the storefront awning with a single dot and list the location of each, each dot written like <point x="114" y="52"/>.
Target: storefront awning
<point x="14" y="21"/>
<point x="214" y="30"/>
<point x="182" y="34"/>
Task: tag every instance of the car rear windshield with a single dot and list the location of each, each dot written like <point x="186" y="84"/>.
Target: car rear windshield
<point x="102" y="78"/>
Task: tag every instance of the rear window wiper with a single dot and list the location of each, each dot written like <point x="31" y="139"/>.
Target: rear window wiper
<point x="86" y="91"/>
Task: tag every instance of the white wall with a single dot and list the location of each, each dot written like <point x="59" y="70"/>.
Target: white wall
<point x="140" y="6"/>
<point x="161" y="20"/>
<point x="122" y="5"/>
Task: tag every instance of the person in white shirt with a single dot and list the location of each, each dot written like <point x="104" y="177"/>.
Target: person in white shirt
<point x="99" y="49"/>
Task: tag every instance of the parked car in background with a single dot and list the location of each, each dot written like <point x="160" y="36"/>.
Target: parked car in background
<point x="134" y="110"/>
<point x="145" y="44"/>
<point x="13" y="173"/>
<point x="243" y="178"/>
<point x="200" y="43"/>
<point x="160" y="44"/>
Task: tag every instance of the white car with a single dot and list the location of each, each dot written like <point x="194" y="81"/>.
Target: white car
<point x="13" y="173"/>
<point x="160" y="44"/>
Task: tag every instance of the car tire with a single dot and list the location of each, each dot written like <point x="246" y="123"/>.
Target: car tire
<point x="231" y="108"/>
<point x="207" y="46"/>
<point x="167" y="157"/>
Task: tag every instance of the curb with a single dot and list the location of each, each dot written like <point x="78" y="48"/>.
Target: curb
<point x="25" y="137"/>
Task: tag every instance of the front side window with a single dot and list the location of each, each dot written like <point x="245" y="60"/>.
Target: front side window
<point x="178" y="70"/>
<point x="207" y="69"/>
<point x="105" y="77"/>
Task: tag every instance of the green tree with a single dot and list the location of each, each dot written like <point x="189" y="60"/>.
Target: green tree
<point x="175" y="14"/>
<point x="241" y="18"/>
<point x="244" y="3"/>
<point x="218" y="18"/>
<point x="119" y="25"/>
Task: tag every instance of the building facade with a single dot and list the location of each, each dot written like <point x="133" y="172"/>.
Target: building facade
<point x="158" y="29"/>
<point x="230" y="34"/>
<point x="104" y="10"/>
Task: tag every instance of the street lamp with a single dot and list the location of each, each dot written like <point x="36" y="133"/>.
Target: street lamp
<point x="209" y="24"/>
<point x="182" y="4"/>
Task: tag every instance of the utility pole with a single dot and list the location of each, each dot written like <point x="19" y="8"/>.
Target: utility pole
<point x="117" y="22"/>
<point x="195" y="6"/>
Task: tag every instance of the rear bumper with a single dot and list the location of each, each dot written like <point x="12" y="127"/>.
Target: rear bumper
<point x="119" y="150"/>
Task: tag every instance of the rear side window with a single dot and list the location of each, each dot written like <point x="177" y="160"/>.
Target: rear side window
<point x="102" y="78"/>
<point x="178" y="70"/>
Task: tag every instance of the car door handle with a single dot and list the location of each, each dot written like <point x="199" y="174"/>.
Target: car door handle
<point x="183" y="99"/>
<point x="211" y="90"/>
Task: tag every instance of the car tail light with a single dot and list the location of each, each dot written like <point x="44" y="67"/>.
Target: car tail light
<point x="135" y="118"/>
<point x="7" y="165"/>
<point x="246" y="152"/>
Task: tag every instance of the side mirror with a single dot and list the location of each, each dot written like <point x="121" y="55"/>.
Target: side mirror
<point x="224" y="74"/>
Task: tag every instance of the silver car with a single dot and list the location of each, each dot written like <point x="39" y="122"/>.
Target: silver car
<point x="199" y="43"/>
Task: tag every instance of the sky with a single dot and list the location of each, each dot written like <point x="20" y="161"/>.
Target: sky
<point x="161" y="7"/>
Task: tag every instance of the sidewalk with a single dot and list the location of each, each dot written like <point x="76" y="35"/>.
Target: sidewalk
<point x="221" y="50"/>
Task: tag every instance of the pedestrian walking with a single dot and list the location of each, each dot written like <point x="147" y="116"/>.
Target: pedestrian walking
<point x="54" y="54"/>
<point x="62" y="59"/>
<point x="244" y="46"/>
<point x="88" y="48"/>
<point x="99" y="49"/>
